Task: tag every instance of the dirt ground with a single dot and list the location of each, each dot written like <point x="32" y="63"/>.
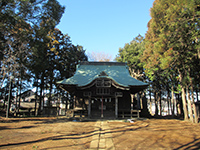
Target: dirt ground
<point x="62" y="133"/>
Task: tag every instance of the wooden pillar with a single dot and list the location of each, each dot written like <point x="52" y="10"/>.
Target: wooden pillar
<point x="131" y="101"/>
<point x="89" y="107"/>
<point x="116" y="107"/>
<point x="132" y="106"/>
<point x="102" y="107"/>
<point x="138" y="101"/>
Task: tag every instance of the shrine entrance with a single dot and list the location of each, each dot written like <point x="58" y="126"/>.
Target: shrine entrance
<point x="103" y="107"/>
<point x="103" y="94"/>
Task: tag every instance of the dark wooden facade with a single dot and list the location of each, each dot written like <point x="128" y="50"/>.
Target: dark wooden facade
<point x="103" y="96"/>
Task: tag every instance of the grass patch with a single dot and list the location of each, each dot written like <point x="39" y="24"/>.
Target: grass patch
<point x="35" y="147"/>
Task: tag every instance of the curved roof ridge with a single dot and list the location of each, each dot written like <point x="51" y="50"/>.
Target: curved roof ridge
<point x="102" y="63"/>
<point x="88" y="71"/>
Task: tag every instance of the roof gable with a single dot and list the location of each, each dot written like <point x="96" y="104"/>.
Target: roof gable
<point x="103" y="74"/>
<point x="89" y="71"/>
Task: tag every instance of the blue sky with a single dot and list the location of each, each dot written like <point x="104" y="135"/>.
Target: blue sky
<point x="104" y="25"/>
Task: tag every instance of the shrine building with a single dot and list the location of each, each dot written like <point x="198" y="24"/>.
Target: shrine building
<point x="104" y="89"/>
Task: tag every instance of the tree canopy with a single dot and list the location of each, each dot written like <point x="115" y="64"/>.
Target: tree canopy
<point x="33" y="50"/>
<point x="131" y="53"/>
<point x="170" y="56"/>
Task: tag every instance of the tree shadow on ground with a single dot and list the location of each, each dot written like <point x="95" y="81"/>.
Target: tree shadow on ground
<point x="46" y="120"/>
<point x="8" y="128"/>
<point x="195" y="144"/>
<point x="167" y="117"/>
<point x="122" y="129"/>
<point x="72" y="136"/>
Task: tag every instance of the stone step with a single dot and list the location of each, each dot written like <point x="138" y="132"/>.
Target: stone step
<point x="102" y="139"/>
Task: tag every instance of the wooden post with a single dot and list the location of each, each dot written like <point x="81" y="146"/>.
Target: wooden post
<point x="138" y="101"/>
<point x="89" y="107"/>
<point x="131" y="104"/>
<point x="102" y="107"/>
<point x="116" y="107"/>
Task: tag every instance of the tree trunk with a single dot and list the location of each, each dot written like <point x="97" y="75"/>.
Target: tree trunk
<point x="156" y="103"/>
<point x="175" y="104"/>
<point x="4" y="101"/>
<point x="183" y="96"/>
<point x="195" y="110"/>
<point x="17" y="94"/>
<point x="41" y="95"/>
<point x="179" y="106"/>
<point x="168" y="102"/>
<point x="160" y="100"/>
<point x="150" y="105"/>
<point x="9" y="98"/>
<point x="40" y="101"/>
<point x="184" y="103"/>
<point x="16" y="100"/>
<point x="193" y="104"/>
<point x="172" y="101"/>
<point x="197" y="95"/>
<point x="5" y="96"/>
<point x="36" y="98"/>
<point x="50" y="93"/>
<point x="189" y="105"/>
<point x="20" y="92"/>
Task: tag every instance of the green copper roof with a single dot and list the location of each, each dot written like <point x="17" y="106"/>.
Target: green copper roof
<point x="88" y="71"/>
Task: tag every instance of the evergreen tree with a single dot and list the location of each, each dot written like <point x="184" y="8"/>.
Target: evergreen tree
<point x="171" y="42"/>
<point x="131" y="54"/>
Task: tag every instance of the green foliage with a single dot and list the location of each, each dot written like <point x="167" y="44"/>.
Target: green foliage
<point x="35" y="147"/>
<point x="131" y="53"/>
<point x="169" y="55"/>
<point x="32" y="48"/>
<point x="21" y="21"/>
<point x="172" y="45"/>
<point x="171" y="36"/>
